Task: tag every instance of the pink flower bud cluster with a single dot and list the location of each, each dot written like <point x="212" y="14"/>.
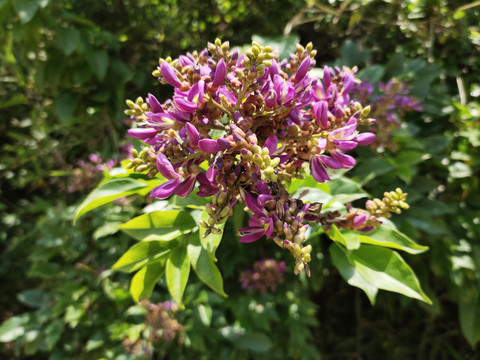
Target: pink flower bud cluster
<point x="238" y="126"/>
<point x="387" y="108"/>
<point x="265" y="276"/>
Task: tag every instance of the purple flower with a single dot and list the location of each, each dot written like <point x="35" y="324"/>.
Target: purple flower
<point x="169" y="73"/>
<point x="192" y="133"/>
<point x="142" y="133"/>
<point x="318" y="170"/>
<point x="154" y="104"/>
<point x="259" y="226"/>
<point x="303" y="69"/>
<point x="320" y="111"/>
<point x="220" y="73"/>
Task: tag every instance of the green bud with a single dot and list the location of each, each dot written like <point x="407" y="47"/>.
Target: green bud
<point x="250" y="55"/>
<point x="266" y="160"/>
<point x="218" y="42"/>
<point x="267" y="63"/>
<point x="261" y="67"/>
<point x="209" y="209"/>
<point x="141" y="168"/>
<point x="203" y="224"/>
<point x="157" y="73"/>
<point x="216" y="231"/>
<point x="256" y="44"/>
<point x="211" y="221"/>
<point x="130" y="104"/>
<point x="273" y="177"/>
<point x="268" y="170"/>
<point x="256" y="149"/>
<point x="225" y="211"/>
<point x="255" y="50"/>
<point x="309" y="47"/>
<point x="257" y="159"/>
<point x="365" y="112"/>
<point x="130" y="112"/>
<point x="307" y="257"/>
<point x="134" y="153"/>
<point x="275" y="162"/>
<point x="222" y="220"/>
<point x="221" y="198"/>
<point x="267" y="49"/>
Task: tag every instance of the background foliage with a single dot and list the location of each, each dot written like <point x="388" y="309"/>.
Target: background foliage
<point x="67" y="67"/>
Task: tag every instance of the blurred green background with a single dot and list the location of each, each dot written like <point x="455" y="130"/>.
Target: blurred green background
<point x="67" y="67"/>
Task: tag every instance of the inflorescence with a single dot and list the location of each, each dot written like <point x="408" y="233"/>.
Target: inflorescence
<point x="256" y="122"/>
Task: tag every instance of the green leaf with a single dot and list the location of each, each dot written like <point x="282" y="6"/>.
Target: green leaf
<point x="53" y="332"/>
<point x="350" y="274"/>
<point x="107" y="192"/>
<point x="385" y="269"/>
<point x="204" y="266"/>
<point x="373" y="74"/>
<point x="177" y="271"/>
<point x="143" y="282"/>
<point x="349" y="239"/>
<point x="159" y="225"/>
<point x="211" y="242"/>
<point x="98" y="61"/>
<point x="469" y="316"/>
<point x="254" y="341"/>
<point x="352" y="55"/>
<point x="68" y="39"/>
<point x="32" y="297"/>
<point x="25" y="9"/>
<point x="65" y="106"/>
<point x="13" y="328"/>
<point x="141" y="254"/>
<point x="387" y="236"/>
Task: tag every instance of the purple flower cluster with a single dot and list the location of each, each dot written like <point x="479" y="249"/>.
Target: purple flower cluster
<point x="266" y="275"/>
<point x="88" y="173"/>
<point x="238" y="126"/>
<point x="387" y="108"/>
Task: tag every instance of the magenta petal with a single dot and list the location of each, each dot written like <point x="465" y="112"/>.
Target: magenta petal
<point x="220" y="72"/>
<point x="345" y="145"/>
<point x="346" y="160"/>
<point x="252" y="204"/>
<point x="269" y="230"/>
<point x="224" y="143"/>
<point x="272" y="143"/>
<point x="359" y="220"/>
<point x="192" y="133"/>
<point x="331" y="162"/>
<point x="184" y="105"/>
<point x="169" y="73"/>
<point x="186" y="187"/>
<point x="303" y="69"/>
<point x="295" y="117"/>
<point x="209" y="146"/>
<point x="142" y="133"/>
<point x="253" y="236"/>
<point x="154" y="104"/>
<point x="365" y="138"/>
<point x="320" y="111"/>
<point x="211" y="174"/>
<point x="318" y="171"/>
<point x="326" y="77"/>
<point x="166" y="189"/>
<point x="165" y="168"/>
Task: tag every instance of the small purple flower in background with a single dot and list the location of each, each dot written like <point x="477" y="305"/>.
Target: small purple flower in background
<point x="265" y="276"/>
<point x="387" y="108"/>
<point x="88" y="173"/>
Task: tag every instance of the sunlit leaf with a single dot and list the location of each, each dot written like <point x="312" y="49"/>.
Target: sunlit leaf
<point x="141" y="254"/>
<point x="210" y="242"/>
<point x="143" y="282"/>
<point x="204" y="266"/>
<point x="107" y="192"/>
<point x="159" y="225"/>
<point x="177" y="270"/>
<point x="350" y="274"/>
